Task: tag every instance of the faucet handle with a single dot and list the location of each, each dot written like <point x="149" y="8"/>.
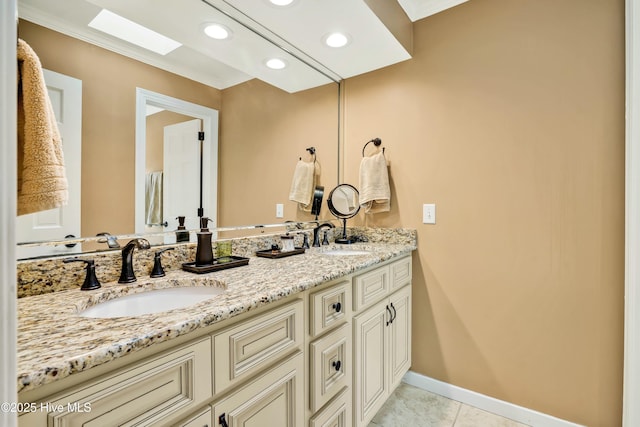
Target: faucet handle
<point x="158" y="270"/>
<point x="325" y="240"/>
<point x="90" y="281"/>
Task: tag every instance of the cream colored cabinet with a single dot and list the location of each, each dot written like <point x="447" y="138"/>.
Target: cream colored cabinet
<point x="200" y="419"/>
<point x="145" y="394"/>
<point x="381" y="341"/>
<point x="329" y="308"/>
<point x="330" y="357"/>
<point x="336" y="414"/>
<point x="274" y="398"/>
<point x="249" y="347"/>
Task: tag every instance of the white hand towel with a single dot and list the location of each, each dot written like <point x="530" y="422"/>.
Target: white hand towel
<point x="153" y="198"/>
<point x="375" y="194"/>
<point x="303" y="183"/>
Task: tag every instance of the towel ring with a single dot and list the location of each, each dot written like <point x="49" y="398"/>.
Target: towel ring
<point x="376" y="142"/>
<point x="312" y="151"/>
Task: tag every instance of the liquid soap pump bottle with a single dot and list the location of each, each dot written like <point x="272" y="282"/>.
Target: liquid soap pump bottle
<point x="204" y="252"/>
<point x="182" y="235"/>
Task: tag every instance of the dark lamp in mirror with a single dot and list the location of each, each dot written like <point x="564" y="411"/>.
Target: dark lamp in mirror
<point x="344" y="203"/>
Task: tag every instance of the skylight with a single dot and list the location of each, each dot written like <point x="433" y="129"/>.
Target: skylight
<point x="122" y="28"/>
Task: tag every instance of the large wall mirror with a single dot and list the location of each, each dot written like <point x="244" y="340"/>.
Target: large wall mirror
<point x="261" y="131"/>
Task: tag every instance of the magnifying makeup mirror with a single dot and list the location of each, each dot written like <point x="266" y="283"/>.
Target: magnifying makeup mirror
<point x="344" y="203"/>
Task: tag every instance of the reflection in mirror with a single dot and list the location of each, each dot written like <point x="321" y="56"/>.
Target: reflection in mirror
<point x="187" y="166"/>
<point x="263" y="132"/>
<point x="344" y="203"/>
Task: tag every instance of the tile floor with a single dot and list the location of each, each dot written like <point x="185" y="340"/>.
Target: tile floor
<point x="410" y="406"/>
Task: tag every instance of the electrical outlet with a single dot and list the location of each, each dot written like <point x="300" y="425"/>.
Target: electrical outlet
<point x="279" y="210"/>
<point x="429" y="213"/>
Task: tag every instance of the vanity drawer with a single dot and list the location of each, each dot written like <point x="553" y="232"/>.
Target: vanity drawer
<point x="329" y="308"/>
<point x="203" y="418"/>
<point x="250" y="346"/>
<point x="335" y="414"/>
<point x="329" y="359"/>
<point x="370" y="287"/>
<point x="400" y="273"/>
<point x="147" y="394"/>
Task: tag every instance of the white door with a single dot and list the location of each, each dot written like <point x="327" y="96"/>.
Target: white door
<point x="66" y="98"/>
<point x="181" y="167"/>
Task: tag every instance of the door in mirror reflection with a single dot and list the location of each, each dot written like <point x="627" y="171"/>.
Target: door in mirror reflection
<point x="182" y="173"/>
<point x="65" y="94"/>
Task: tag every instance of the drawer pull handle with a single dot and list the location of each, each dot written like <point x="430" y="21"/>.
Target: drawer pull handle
<point x="390" y="315"/>
<point x="337" y="365"/>
<point x="395" y="314"/>
<point x="337" y="307"/>
<point x="222" y="420"/>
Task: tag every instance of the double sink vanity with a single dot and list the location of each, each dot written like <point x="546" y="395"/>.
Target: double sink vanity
<point x="316" y="339"/>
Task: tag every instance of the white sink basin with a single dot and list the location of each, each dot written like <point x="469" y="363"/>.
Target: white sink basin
<point x="348" y="252"/>
<point x="153" y="301"/>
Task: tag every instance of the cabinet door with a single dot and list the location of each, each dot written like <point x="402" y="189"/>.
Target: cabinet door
<point x="370" y="359"/>
<point x="399" y="336"/>
<point x="146" y="394"/>
<point x="273" y="399"/>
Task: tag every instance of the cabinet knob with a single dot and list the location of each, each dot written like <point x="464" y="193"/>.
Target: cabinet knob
<point x="336" y="364"/>
<point x="223" y="421"/>
<point x="390" y="315"/>
<point x="337" y="307"/>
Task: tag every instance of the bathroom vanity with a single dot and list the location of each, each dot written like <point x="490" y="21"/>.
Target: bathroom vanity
<point x="316" y="339"/>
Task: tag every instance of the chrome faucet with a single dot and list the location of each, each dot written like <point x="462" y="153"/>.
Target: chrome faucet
<point x="126" y="275"/>
<point x="316" y="233"/>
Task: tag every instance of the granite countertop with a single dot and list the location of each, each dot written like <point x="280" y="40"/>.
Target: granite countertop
<point x="55" y="342"/>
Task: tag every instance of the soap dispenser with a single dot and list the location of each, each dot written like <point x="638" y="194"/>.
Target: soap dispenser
<point x="182" y="235"/>
<point x="204" y="251"/>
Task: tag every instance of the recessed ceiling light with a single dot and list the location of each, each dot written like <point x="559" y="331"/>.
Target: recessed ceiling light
<point x="276" y="63"/>
<point x="281" y="2"/>
<point x="336" y="40"/>
<point x="129" y="31"/>
<point x="217" y="31"/>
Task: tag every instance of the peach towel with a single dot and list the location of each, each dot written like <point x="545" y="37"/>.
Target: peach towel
<point x="42" y="182"/>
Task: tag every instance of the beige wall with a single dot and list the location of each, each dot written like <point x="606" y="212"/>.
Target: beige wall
<point x="510" y="117"/>
<point x="109" y="84"/>
<point x="263" y="133"/>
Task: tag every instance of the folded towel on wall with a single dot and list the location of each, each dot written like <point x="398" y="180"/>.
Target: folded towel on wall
<point x="153" y="198"/>
<point x="375" y="193"/>
<point x="42" y="181"/>
<point x="303" y="184"/>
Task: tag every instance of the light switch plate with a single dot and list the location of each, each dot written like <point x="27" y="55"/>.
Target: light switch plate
<point x="429" y="213"/>
<point x="279" y="210"/>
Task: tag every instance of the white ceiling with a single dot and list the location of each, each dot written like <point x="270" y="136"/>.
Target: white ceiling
<point x="221" y="64"/>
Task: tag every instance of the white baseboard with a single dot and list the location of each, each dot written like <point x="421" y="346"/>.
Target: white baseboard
<point x="486" y="403"/>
